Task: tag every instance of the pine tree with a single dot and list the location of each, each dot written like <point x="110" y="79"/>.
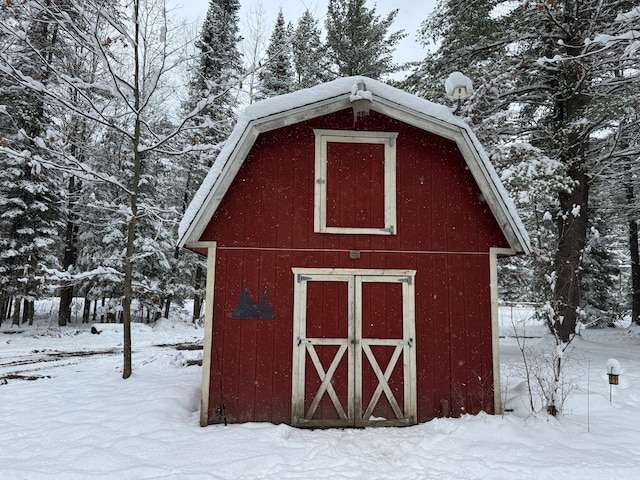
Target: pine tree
<point x="218" y="72"/>
<point x="548" y="91"/>
<point x="29" y="197"/>
<point x="619" y="42"/>
<point x="358" y="41"/>
<point x="134" y="77"/>
<point x="277" y="77"/>
<point x="604" y="303"/>
<point x="100" y="208"/>
<point x="309" y="59"/>
<point x="216" y="77"/>
<point x="71" y="138"/>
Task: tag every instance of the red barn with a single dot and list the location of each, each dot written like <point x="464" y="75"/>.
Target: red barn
<point x="351" y="262"/>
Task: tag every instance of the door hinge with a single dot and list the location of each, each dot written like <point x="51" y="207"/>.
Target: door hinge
<point x="407" y="280"/>
<point x="300" y="341"/>
<point x="302" y="278"/>
<point x="391" y="230"/>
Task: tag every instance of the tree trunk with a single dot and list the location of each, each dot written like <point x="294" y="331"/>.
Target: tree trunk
<point x="197" y="299"/>
<point x="9" y="307"/>
<point x="635" y="271"/>
<point x="28" y="311"/>
<point x="66" y="292"/>
<point x="635" y="257"/>
<point x="64" y="309"/>
<point x="167" y="307"/>
<point x="572" y="235"/>
<point x="573" y="220"/>
<point x="3" y="307"/>
<point x="135" y="189"/>
<point x="86" y="308"/>
<point x="16" y="311"/>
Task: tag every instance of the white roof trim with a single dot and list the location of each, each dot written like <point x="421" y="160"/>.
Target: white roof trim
<point x="331" y="97"/>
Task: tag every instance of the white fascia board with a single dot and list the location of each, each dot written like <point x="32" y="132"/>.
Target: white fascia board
<point x="206" y="210"/>
<point x="239" y="151"/>
<point x="495" y="195"/>
<point x="483" y="172"/>
<point x="415" y="118"/>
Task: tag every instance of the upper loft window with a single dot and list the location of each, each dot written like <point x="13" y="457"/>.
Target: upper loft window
<point x="355" y="187"/>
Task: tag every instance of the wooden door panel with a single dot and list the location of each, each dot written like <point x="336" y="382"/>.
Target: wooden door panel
<point x="382" y="319"/>
<point x="327" y="304"/>
<point x="326" y="389"/>
<point x="382" y="398"/>
<point x="382" y="310"/>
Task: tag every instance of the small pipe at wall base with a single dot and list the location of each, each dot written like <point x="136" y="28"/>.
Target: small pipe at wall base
<point x="221" y="412"/>
<point x="444" y="407"/>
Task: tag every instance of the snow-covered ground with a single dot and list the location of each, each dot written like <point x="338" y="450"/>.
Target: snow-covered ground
<point x="78" y="419"/>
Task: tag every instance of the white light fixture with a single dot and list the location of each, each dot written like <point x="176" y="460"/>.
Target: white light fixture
<point x="614" y="370"/>
<point x="458" y="88"/>
<point x="360" y="100"/>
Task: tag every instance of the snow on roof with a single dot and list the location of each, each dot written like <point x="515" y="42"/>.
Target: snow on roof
<point x="332" y="96"/>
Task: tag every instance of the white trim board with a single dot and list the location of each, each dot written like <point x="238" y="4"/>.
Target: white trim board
<point x="208" y="335"/>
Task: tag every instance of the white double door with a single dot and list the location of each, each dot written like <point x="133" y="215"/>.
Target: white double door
<point x="354" y="348"/>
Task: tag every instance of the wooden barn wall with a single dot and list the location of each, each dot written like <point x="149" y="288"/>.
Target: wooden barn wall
<point x="264" y="226"/>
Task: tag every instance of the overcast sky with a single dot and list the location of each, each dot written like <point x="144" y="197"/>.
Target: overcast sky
<point x="411" y="14"/>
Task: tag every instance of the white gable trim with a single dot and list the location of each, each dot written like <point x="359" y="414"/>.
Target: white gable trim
<point x="334" y="96"/>
<point x="479" y="166"/>
<point x="241" y="149"/>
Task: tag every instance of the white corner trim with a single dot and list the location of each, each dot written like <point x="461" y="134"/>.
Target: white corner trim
<point x="208" y="334"/>
<point x="494" y="253"/>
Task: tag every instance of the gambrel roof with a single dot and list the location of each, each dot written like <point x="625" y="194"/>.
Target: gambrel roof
<point x="335" y="96"/>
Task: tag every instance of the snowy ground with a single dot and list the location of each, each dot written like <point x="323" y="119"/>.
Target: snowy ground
<point x="77" y="418"/>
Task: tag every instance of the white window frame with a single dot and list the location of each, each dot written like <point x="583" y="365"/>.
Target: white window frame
<point x="388" y="139"/>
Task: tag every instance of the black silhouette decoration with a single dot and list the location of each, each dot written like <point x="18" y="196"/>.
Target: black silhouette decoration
<point x="246" y="309"/>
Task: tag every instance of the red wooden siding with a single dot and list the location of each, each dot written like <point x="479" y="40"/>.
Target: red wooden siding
<point x="264" y="227"/>
<point x="355" y="185"/>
